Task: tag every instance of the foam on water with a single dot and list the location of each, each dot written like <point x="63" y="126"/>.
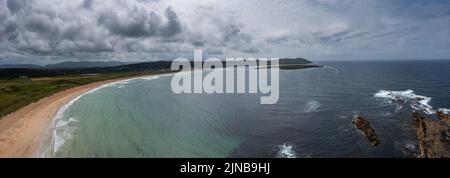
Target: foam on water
<point x="444" y="110"/>
<point x="343" y="116"/>
<point x="336" y="70"/>
<point x="60" y="134"/>
<point x="312" y="106"/>
<point x="415" y="101"/>
<point x="398" y="108"/>
<point x="62" y="130"/>
<point x="286" y="151"/>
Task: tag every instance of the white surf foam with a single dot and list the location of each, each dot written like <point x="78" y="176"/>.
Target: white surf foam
<point x="61" y="130"/>
<point x="312" y="106"/>
<point x="398" y="107"/>
<point x="336" y="70"/>
<point x="415" y="101"/>
<point x="444" y="110"/>
<point x="343" y="116"/>
<point x="286" y="151"/>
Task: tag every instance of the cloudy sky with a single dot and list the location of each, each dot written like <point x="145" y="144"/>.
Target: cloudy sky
<point x="50" y="31"/>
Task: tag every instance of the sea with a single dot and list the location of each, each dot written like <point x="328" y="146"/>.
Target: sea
<point x="144" y="118"/>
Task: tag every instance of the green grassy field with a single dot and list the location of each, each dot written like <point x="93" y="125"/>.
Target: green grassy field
<point x="17" y="93"/>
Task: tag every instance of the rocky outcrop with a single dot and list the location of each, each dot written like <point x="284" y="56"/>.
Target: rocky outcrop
<point x="433" y="136"/>
<point x="444" y="117"/>
<point x="364" y="125"/>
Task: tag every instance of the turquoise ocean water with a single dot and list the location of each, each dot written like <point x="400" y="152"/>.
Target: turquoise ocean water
<point x="144" y="118"/>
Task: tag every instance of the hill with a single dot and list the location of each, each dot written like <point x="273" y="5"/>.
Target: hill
<point x="84" y="68"/>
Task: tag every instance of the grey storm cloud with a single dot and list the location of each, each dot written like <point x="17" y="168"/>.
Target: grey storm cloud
<point x="82" y="27"/>
<point x="15" y="5"/>
<point x="141" y="23"/>
<point x="88" y="4"/>
<point x="157" y="29"/>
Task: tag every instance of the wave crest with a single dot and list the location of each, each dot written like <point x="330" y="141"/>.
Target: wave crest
<point x="62" y="130"/>
<point x="312" y="106"/>
<point x="286" y="151"/>
<point x="415" y="101"/>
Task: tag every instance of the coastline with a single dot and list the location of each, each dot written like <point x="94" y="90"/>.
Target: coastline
<point x="24" y="132"/>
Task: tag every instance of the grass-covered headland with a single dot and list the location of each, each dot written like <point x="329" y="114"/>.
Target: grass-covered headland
<point x="17" y="93"/>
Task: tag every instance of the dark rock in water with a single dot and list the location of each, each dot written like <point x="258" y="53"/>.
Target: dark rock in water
<point x="420" y="98"/>
<point x="433" y="136"/>
<point x="364" y="125"/>
<point x="445" y="117"/>
<point x="399" y="100"/>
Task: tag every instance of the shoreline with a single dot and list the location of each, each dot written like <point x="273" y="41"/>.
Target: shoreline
<point x="24" y="132"/>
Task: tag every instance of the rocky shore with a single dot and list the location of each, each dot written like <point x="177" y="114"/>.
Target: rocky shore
<point x="362" y="124"/>
<point x="444" y="117"/>
<point x="432" y="131"/>
<point x="433" y="135"/>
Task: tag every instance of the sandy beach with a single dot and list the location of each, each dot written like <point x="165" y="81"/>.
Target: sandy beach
<point x="23" y="132"/>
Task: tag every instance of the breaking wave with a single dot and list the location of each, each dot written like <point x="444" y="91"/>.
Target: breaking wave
<point x="312" y="106"/>
<point x="415" y="101"/>
<point x="286" y="151"/>
<point x="63" y="129"/>
<point x="336" y="70"/>
<point x="444" y="110"/>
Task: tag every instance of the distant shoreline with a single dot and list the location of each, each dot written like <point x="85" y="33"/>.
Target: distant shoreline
<point x="27" y="131"/>
<point x="23" y="132"/>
